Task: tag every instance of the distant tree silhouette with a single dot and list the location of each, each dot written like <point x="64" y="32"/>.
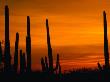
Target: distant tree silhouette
<point x="16" y="52"/>
<point x="106" y="52"/>
<point x="28" y="45"/>
<point x="7" y="56"/>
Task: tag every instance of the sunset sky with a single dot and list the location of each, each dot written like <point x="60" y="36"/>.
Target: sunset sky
<point x="76" y="29"/>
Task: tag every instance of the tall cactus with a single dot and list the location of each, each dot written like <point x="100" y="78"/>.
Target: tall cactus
<point x="50" y="57"/>
<point x="28" y="45"/>
<point x="106" y="52"/>
<point x="7" y="56"/>
<point x="49" y="68"/>
<point x="16" y="52"/>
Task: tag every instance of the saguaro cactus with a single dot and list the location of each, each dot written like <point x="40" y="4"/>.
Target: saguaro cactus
<point x="16" y="52"/>
<point x="28" y="45"/>
<point x="50" y="57"/>
<point x="106" y="52"/>
<point x="49" y="68"/>
<point x="7" y="56"/>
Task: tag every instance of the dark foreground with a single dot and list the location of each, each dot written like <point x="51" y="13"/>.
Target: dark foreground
<point x="83" y="75"/>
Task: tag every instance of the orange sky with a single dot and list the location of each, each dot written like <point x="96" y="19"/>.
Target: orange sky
<point x="76" y="28"/>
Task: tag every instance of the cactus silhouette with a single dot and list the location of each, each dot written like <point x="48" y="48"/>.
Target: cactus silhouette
<point x="106" y="52"/>
<point x="43" y="65"/>
<point x="49" y="68"/>
<point x="58" y="67"/>
<point x="46" y="64"/>
<point x="50" y="57"/>
<point x="7" y="56"/>
<point x="16" y="52"/>
<point x="22" y="62"/>
<point x="57" y="62"/>
<point x="28" y="45"/>
<point x="99" y="66"/>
